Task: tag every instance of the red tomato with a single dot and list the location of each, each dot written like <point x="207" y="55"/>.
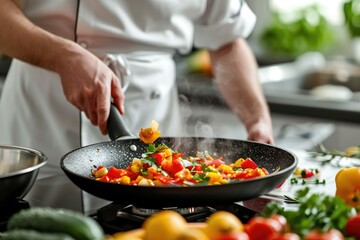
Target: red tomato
<point x="286" y="236"/>
<point x="259" y="228"/>
<point x="233" y="236"/>
<point x="281" y="219"/>
<point x="332" y="234"/>
<point x="307" y="173"/>
<point x="248" y="163"/>
<point x="352" y="227"/>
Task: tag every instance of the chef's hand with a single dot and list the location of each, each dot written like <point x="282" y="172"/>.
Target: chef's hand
<point x="90" y="85"/>
<point x="260" y="132"/>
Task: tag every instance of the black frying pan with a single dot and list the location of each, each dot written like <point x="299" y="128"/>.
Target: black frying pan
<point x="79" y="163"/>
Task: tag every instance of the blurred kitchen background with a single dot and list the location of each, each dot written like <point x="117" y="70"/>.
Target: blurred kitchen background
<point x="309" y="64"/>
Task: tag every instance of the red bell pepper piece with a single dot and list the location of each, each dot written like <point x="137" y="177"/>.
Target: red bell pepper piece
<point x="105" y="178"/>
<point x="248" y="163"/>
<point x="159" y="158"/>
<point x="172" y="167"/>
<point x="119" y="172"/>
<point x="177" y="155"/>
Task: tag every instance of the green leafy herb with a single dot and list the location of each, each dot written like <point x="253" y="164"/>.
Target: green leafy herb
<point x="201" y="177"/>
<point x="150" y="148"/>
<point x="314" y="211"/>
<point x="304" y="181"/>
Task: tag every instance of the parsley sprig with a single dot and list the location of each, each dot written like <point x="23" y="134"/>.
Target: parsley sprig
<point x="314" y="211"/>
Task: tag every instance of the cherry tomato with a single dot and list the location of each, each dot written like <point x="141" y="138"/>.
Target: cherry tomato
<point x="282" y="220"/>
<point x="286" y="236"/>
<point x="233" y="236"/>
<point x="307" y="173"/>
<point x="259" y="228"/>
<point x="332" y="234"/>
<point x="352" y="227"/>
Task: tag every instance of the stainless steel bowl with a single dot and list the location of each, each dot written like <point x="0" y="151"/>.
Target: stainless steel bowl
<point x="19" y="167"/>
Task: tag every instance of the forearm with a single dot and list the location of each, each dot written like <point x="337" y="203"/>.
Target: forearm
<point x="25" y="41"/>
<point x="235" y="70"/>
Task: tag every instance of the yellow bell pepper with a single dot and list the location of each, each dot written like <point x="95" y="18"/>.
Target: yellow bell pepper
<point x="348" y="186"/>
<point x="149" y="135"/>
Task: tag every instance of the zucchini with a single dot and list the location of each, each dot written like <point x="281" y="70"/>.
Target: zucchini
<point x="25" y="234"/>
<point x="52" y="220"/>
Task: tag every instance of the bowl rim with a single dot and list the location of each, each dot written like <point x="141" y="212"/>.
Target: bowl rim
<point x="41" y="163"/>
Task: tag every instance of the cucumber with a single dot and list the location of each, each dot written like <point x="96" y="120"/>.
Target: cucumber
<point x="53" y="220"/>
<point x="25" y="234"/>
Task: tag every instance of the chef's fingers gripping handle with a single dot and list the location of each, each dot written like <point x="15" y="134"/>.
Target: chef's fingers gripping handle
<point x="116" y="125"/>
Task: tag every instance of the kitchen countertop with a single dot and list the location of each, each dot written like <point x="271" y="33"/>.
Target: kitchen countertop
<point x="200" y="89"/>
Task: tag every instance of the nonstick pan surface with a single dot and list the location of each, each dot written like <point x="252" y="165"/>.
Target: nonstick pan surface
<point x="79" y="163"/>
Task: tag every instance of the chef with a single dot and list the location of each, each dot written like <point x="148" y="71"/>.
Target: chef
<point x="72" y="58"/>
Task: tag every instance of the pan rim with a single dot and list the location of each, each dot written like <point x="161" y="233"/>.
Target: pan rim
<point x="272" y="175"/>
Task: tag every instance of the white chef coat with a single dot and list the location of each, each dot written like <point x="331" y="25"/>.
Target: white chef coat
<point x="33" y="110"/>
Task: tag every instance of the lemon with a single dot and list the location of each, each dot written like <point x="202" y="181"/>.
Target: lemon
<point x="164" y="225"/>
<point x="222" y="222"/>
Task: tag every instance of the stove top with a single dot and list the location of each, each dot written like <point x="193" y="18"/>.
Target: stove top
<point x="117" y="217"/>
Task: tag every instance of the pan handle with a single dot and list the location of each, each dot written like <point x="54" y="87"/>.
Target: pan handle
<point x="116" y="125"/>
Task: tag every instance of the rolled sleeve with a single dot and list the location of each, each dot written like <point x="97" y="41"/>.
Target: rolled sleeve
<point x="223" y="22"/>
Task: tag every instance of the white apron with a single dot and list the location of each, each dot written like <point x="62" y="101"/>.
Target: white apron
<point x="34" y="112"/>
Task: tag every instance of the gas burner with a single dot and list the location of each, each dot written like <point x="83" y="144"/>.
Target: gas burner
<point x="133" y="213"/>
<point x="183" y="210"/>
<point x="117" y="217"/>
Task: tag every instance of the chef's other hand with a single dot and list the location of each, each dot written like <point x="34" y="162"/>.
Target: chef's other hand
<point x="260" y="132"/>
<point x="89" y="84"/>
